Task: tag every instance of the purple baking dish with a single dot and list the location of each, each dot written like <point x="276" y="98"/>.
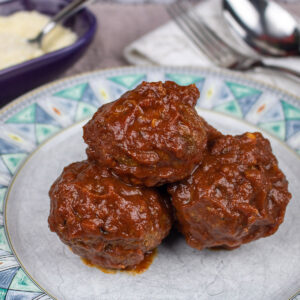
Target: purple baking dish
<point x="25" y="76"/>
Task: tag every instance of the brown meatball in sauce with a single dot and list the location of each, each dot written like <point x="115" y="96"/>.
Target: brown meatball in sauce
<point x="238" y="194"/>
<point x="152" y="135"/>
<point x="105" y="220"/>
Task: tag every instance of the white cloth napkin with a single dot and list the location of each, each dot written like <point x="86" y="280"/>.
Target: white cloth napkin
<point x="169" y="46"/>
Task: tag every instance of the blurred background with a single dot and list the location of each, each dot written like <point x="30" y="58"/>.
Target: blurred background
<point x="141" y="32"/>
<point x="121" y="22"/>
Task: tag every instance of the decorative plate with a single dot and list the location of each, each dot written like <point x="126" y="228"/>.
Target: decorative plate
<point x="42" y="132"/>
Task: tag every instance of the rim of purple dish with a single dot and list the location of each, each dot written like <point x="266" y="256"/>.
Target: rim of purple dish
<point x="81" y="41"/>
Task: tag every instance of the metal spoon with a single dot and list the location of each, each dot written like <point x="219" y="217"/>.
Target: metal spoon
<point x="60" y="17"/>
<point x="264" y="25"/>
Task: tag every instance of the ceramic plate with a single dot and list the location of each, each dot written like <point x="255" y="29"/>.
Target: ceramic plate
<point x="42" y="132"/>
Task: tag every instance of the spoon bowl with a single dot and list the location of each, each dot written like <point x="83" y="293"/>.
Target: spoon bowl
<point x="264" y="26"/>
<point x="60" y="17"/>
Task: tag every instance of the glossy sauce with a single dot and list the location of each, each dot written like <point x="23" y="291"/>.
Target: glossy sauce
<point x="150" y="136"/>
<point x="105" y="209"/>
<point x="237" y="195"/>
<point x="138" y="269"/>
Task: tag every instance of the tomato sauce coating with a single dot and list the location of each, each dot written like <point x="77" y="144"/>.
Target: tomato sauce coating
<point x="152" y="135"/>
<point x="237" y="195"/>
<point x="105" y="220"/>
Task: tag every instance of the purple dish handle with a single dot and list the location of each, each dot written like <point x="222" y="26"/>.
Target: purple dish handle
<point x="18" y="79"/>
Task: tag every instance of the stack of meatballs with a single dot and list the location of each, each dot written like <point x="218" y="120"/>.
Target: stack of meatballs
<point x="152" y="160"/>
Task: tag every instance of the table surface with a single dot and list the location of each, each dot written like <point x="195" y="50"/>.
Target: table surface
<point x="120" y="25"/>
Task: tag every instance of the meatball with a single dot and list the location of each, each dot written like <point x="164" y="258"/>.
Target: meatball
<point x="105" y="220"/>
<point x="237" y="195"/>
<point x="150" y="136"/>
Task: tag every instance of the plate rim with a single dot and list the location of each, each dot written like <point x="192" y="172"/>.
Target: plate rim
<point x="9" y="189"/>
<point x="211" y="70"/>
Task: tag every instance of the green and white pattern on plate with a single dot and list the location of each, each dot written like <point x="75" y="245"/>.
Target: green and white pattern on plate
<point x="41" y="114"/>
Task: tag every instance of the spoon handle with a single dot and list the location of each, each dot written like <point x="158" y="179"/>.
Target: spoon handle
<point x="281" y="69"/>
<point x="64" y="14"/>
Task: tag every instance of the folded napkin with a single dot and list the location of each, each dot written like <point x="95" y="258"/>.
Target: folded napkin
<point x="169" y="46"/>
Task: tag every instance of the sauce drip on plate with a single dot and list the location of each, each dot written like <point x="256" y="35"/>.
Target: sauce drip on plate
<point x="138" y="269"/>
